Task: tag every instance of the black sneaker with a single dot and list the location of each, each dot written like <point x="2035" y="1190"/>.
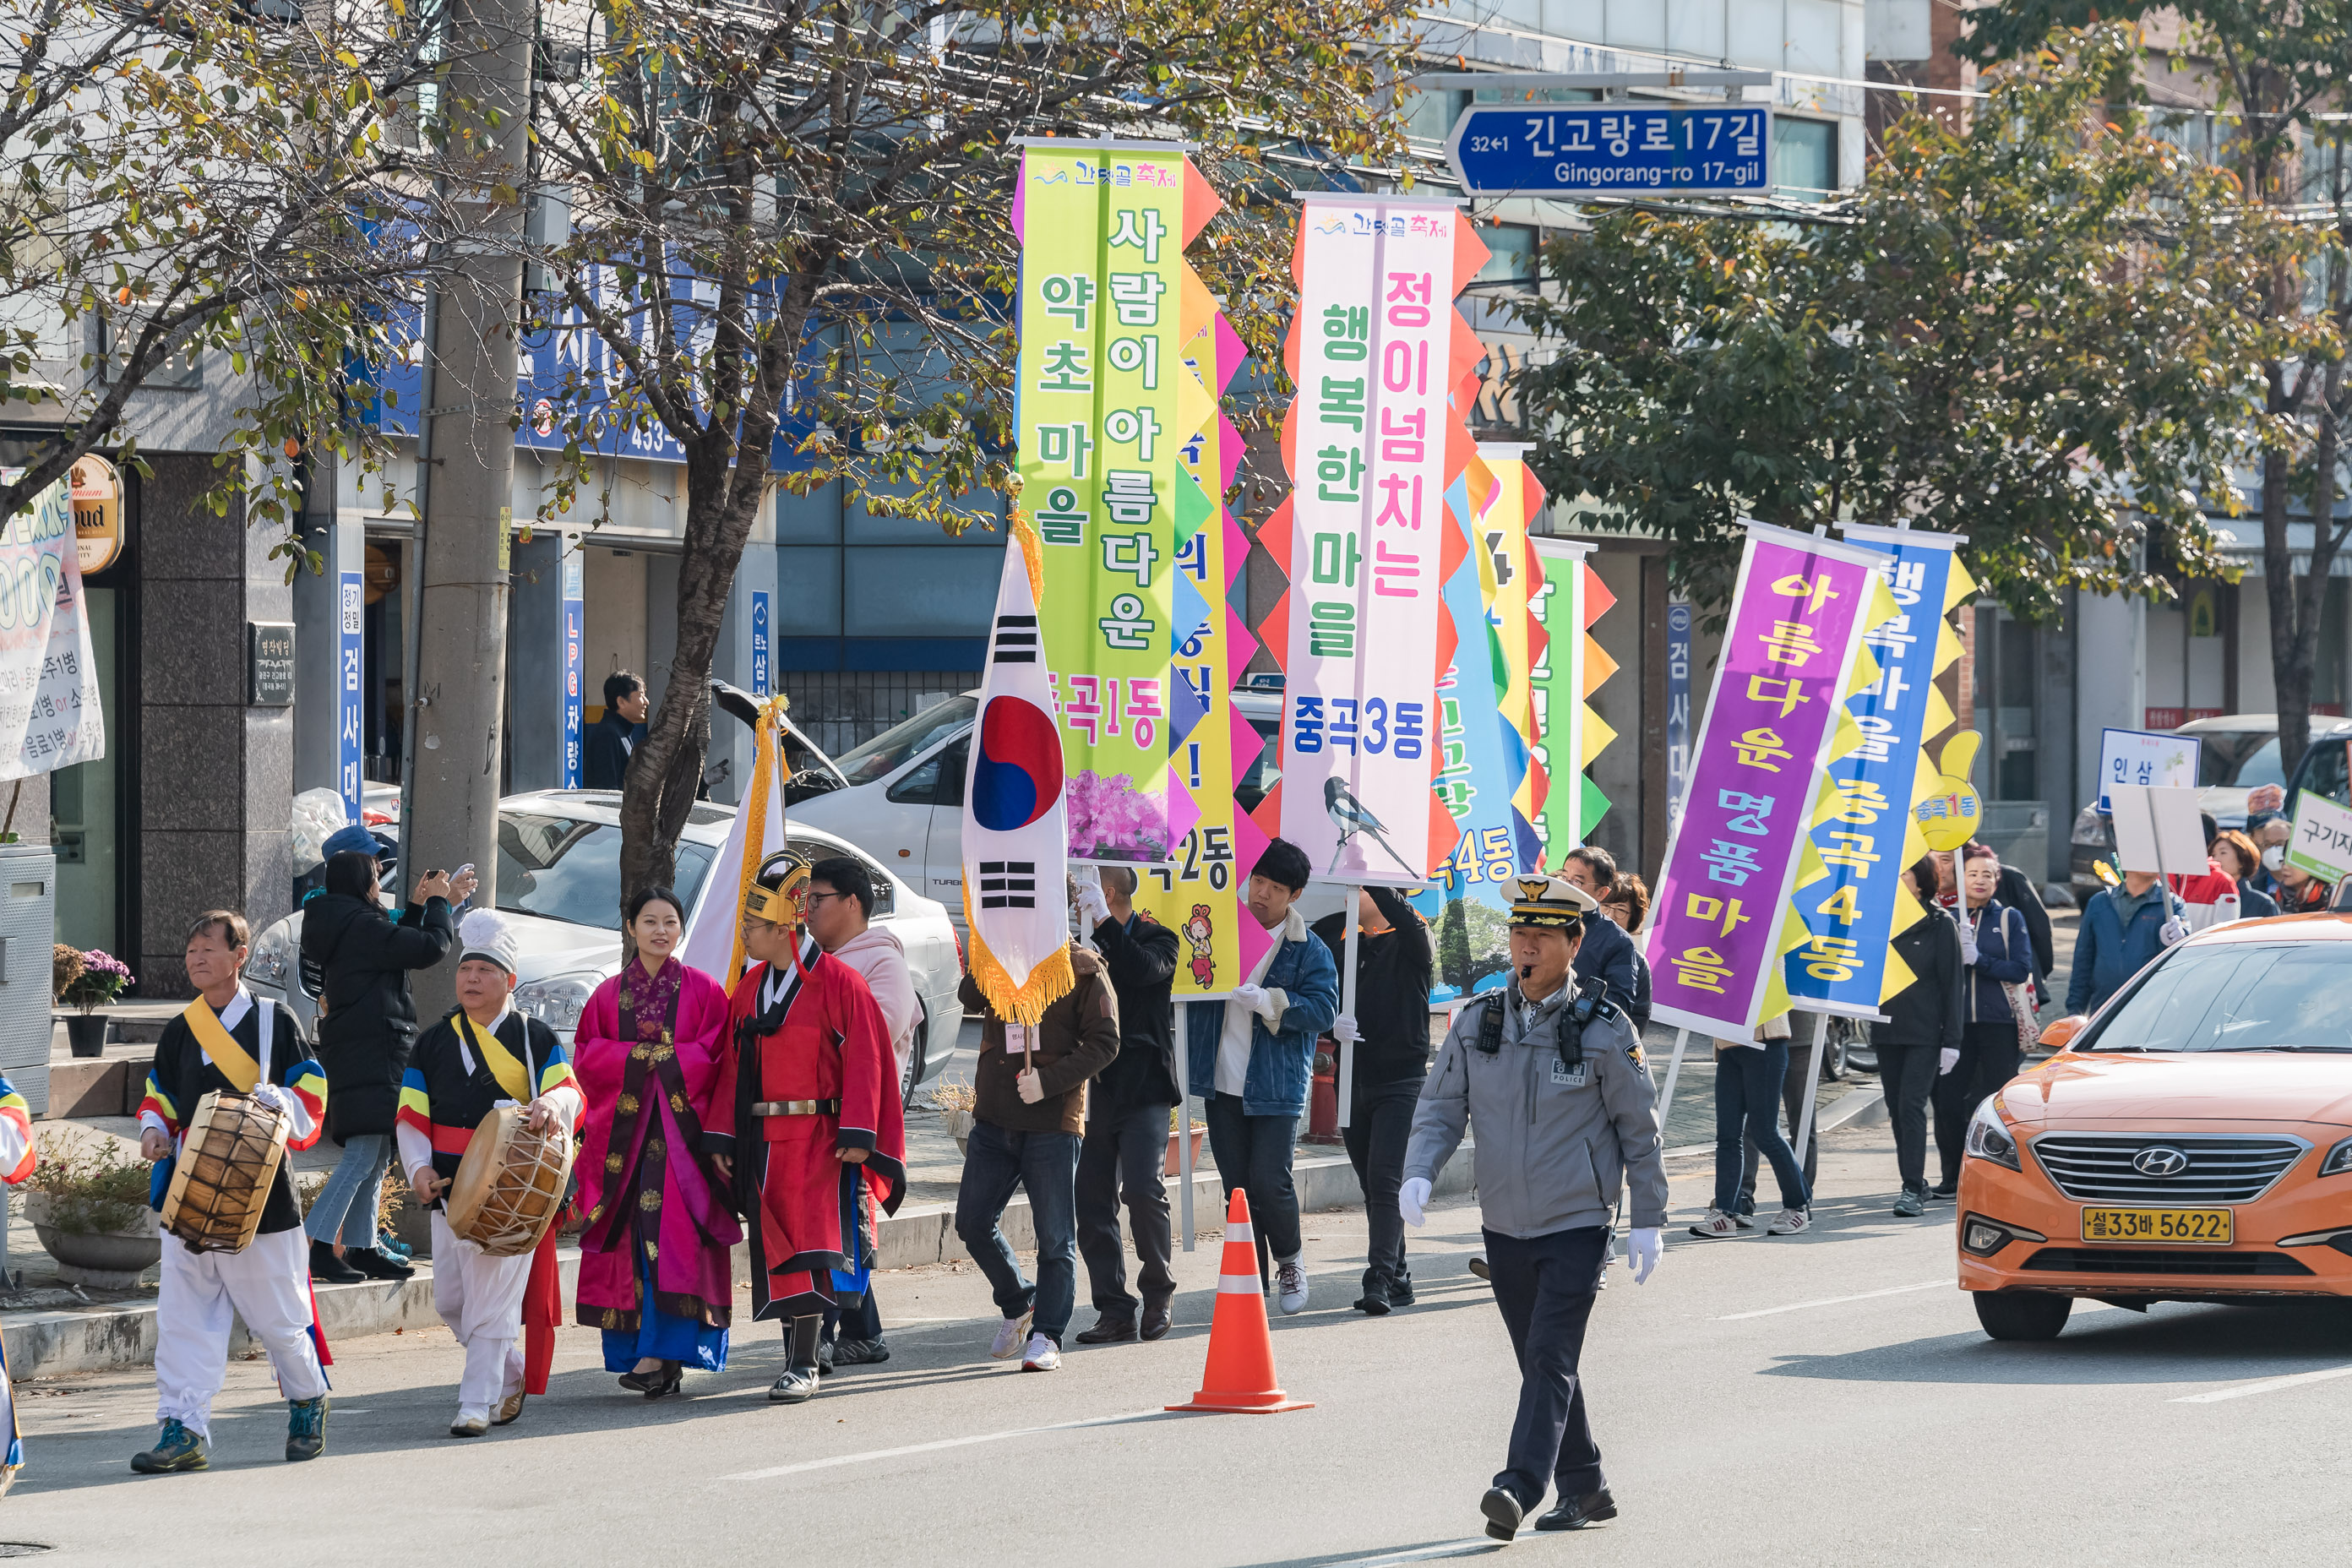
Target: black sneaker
<point x="306" y="1427"/>
<point x="1946" y="1190"/>
<point x="329" y="1270"/>
<point x="1911" y="1205"/>
<point x="376" y="1265"/>
<point x="177" y="1449"/>
<point x="860" y="1352"/>
<point x="824" y="1359"/>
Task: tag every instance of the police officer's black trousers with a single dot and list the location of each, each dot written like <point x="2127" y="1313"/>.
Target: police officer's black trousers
<point x="1545" y="1287"/>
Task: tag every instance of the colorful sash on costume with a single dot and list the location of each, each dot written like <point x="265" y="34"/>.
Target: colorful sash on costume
<point x="235" y="1062"/>
<point x="513" y="1075"/>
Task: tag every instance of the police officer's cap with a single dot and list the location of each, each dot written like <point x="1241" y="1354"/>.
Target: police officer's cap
<point x="1552" y="903"/>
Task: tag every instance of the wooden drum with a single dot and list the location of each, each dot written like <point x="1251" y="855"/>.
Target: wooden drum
<point x="224" y="1173"/>
<point x="509" y="1187"/>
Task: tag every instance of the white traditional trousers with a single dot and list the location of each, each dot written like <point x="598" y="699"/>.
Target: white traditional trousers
<point x="268" y="1286"/>
<point x="481" y="1298"/>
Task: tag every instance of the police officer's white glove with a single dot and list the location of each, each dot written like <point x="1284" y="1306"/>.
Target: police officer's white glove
<point x="1344" y="1030"/>
<point x="1643" y="1250"/>
<point x="1946" y="1061"/>
<point x="270" y="1095"/>
<point x="2172" y="931"/>
<point x="1093" y="907"/>
<point x="1413" y="1201"/>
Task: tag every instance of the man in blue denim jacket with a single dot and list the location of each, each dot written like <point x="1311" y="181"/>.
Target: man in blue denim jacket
<point x="1251" y="1059"/>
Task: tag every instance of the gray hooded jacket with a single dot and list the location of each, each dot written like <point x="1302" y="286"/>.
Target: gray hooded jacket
<point x="1555" y="1143"/>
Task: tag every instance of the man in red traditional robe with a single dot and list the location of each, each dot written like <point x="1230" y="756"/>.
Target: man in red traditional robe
<point x="807" y="1121"/>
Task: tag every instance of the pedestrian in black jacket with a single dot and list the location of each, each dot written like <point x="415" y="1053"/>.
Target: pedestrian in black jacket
<point x="1126" y="1143"/>
<point x="1921" y="1037"/>
<point x="1606" y="950"/>
<point x="604" y="751"/>
<point x="367" y="1026"/>
<point x="1390" y="1030"/>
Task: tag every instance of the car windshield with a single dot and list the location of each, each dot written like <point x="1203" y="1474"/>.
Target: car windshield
<point x="563" y="869"/>
<point x="887" y="752"/>
<point x="2240" y="759"/>
<point x="2237" y="996"/>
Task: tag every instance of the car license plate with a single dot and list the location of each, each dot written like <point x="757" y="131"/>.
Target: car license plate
<point x="2175" y="1227"/>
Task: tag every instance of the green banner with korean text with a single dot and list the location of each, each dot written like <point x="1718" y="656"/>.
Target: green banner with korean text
<point x="1105" y="405"/>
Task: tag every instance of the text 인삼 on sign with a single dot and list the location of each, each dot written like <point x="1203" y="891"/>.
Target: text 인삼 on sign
<point x="1601" y="147"/>
<point x="2145" y="757"/>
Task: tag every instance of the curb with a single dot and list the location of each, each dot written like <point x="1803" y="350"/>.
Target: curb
<point x="58" y="1342"/>
<point x="52" y="1343"/>
<point x="1860" y="1106"/>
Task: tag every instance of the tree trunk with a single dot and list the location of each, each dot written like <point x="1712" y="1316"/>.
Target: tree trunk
<point x="2290" y="651"/>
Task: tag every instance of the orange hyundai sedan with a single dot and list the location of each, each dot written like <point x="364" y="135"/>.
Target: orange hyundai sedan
<point x="2191" y="1142"/>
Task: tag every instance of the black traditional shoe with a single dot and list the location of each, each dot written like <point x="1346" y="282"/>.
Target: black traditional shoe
<point x="796" y="1386"/>
<point x="1575" y="1514"/>
<point x="663" y="1383"/>
<point x="376" y="1265"/>
<point x="1157" y="1317"/>
<point x="329" y="1270"/>
<point x="306" y="1427"/>
<point x="860" y="1352"/>
<point x="1503" y="1512"/>
<point x="1109" y="1331"/>
<point x="177" y="1449"/>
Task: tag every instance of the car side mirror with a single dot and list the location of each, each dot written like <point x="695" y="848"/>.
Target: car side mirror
<point x="2062" y="1032"/>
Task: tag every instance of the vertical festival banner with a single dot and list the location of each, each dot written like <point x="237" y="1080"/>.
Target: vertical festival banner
<point x="1565" y="597"/>
<point x="1852" y="900"/>
<point x="575" y="634"/>
<point x="1373" y="442"/>
<point x="350" y="660"/>
<point x="1678" y="668"/>
<point x="1198" y="894"/>
<point x="1103" y="405"/>
<point x="1791" y="655"/>
<point x="1518" y="501"/>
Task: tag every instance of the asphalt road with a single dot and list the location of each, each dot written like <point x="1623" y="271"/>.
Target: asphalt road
<point x="1826" y="1397"/>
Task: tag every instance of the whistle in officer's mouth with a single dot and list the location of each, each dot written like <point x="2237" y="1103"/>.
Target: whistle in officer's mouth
<point x="1526" y="970"/>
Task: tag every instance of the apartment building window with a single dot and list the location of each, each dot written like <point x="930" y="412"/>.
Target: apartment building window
<point x="1805" y="156"/>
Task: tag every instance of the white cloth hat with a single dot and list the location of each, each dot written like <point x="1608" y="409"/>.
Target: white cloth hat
<point x="485" y="933"/>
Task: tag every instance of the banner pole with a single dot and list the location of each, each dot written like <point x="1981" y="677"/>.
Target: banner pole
<point x="1183" y="1054"/>
<point x="1348" y="1002"/>
<point x="1813" y="1086"/>
<point x="1673" y="1072"/>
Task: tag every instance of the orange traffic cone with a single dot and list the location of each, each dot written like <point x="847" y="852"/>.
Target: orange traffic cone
<point x="1240" y="1374"/>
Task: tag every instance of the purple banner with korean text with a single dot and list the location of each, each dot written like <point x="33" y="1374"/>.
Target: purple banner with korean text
<point x="1793" y="633"/>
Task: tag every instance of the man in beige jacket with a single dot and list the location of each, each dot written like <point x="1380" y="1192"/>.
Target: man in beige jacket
<point x="840" y="910"/>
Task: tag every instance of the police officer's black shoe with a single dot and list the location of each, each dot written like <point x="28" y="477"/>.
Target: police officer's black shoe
<point x="1575" y="1514"/>
<point x="1503" y="1510"/>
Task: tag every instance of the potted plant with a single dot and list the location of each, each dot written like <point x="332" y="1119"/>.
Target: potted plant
<point x="1198" y="1127"/>
<point x="87" y="1200"/>
<point x="89" y="982"/>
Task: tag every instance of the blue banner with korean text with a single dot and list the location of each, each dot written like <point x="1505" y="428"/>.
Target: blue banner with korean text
<point x="1853" y="902"/>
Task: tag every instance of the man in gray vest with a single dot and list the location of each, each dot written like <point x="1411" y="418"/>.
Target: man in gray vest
<point x="1550" y="1074"/>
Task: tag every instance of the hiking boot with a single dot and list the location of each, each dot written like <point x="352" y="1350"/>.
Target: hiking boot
<point x="177" y="1449"/>
<point x="306" y="1427"/>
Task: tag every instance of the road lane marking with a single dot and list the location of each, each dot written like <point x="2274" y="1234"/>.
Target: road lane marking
<point x="1831" y="1301"/>
<point x="776" y="1470"/>
<point x="1462" y="1548"/>
<point x="2267" y="1385"/>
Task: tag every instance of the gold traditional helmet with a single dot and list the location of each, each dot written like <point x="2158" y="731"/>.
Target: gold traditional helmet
<point x="1552" y="903"/>
<point x="777" y="891"/>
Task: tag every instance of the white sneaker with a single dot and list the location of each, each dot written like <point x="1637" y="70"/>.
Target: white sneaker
<point x="1043" y="1355"/>
<point x="1790" y="1222"/>
<point x="1716" y="1227"/>
<point x="472" y="1422"/>
<point x="1009" y="1333"/>
<point x="1290" y="1280"/>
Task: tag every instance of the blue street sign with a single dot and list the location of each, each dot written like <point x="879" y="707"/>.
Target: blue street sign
<point x="575" y="631"/>
<point x="350" y="661"/>
<point x="759" y="644"/>
<point x="1601" y="149"/>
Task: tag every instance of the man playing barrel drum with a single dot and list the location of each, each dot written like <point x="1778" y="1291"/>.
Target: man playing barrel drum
<point x="246" y="1052"/>
<point x="483" y="1057"/>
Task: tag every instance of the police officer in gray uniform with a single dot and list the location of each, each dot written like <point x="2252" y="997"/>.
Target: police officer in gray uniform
<point x="1550" y="1074"/>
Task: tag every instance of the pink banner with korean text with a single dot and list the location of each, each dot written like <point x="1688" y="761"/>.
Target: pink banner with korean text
<point x="1792" y="653"/>
<point x="1373" y="441"/>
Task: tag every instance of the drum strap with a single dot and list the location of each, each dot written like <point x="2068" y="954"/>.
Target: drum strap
<point x="513" y="1076"/>
<point x="236" y="1063"/>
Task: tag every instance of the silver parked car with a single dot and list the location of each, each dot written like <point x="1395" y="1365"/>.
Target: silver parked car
<point x="559" y="880"/>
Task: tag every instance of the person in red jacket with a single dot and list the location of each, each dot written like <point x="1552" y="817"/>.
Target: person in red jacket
<point x="806" y="1121"/>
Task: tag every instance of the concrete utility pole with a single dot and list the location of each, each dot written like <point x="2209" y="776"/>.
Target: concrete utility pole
<point x="450" y="811"/>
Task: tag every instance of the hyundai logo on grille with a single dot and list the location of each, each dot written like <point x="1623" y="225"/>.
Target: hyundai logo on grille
<point x="2159" y="1162"/>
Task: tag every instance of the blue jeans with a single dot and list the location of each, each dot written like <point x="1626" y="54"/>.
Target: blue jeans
<point x="1748" y="1105"/>
<point x="353" y="1191"/>
<point x="1045" y="1165"/>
